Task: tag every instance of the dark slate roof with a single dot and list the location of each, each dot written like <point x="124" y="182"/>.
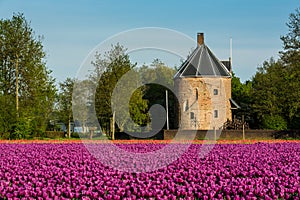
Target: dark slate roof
<point x="202" y="62"/>
<point x="227" y="64"/>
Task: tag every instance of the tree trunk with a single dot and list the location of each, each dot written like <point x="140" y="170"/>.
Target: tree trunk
<point x="69" y="128"/>
<point x="84" y="131"/>
<point x="17" y="84"/>
<point x="91" y="134"/>
<point x="113" y="127"/>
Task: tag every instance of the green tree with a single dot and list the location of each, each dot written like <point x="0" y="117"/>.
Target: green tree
<point x="138" y="109"/>
<point x="109" y="68"/>
<point x="7" y="114"/>
<point x="241" y="93"/>
<point x="24" y="77"/>
<point x="127" y="96"/>
<point x="83" y="105"/>
<point x="276" y="84"/>
<point x="65" y="103"/>
<point x="291" y="41"/>
<point x="269" y="92"/>
<point x="291" y="61"/>
<point x="158" y="72"/>
<point x="274" y="122"/>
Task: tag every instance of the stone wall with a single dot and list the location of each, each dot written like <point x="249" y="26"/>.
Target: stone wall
<point x="197" y="102"/>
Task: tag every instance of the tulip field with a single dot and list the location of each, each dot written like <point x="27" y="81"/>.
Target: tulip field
<point x="66" y="170"/>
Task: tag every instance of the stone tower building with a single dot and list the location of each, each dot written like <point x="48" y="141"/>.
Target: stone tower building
<point x="203" y="88"/>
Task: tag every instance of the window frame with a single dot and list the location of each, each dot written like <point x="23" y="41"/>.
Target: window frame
<point x="192" y="115"/>
<point x="216" y="113"/>
<point x="216" y="91"/>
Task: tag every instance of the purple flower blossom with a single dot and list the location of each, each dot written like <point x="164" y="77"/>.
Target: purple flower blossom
<point x="66" y="171"/>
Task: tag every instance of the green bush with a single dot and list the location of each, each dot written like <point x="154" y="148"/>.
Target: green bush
<point x="275" y="122"/>
<point x="54" y="134"/>
<point x="75" y="135"/>
<point x="21" y="129"/>
<point x="5" y="136"/>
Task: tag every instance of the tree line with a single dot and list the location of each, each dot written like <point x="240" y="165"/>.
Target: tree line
<point x="31" y="103"/>
<point x="271" y="99"/>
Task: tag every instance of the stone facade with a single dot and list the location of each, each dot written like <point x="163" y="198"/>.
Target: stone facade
<point x="203" y="102"/>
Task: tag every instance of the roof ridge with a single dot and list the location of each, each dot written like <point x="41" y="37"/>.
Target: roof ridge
<point x="219" y="61"/>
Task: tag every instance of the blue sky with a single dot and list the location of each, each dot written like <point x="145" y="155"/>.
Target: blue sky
<point x="71" y="29"/>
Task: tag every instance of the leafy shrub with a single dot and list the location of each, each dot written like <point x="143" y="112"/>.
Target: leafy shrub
<point x="5" y="136"/>
<point x="54" y="134"/>
<point x="21" y="129"/>
<point x="275" y="122"/>
<point x="75" y="135"/>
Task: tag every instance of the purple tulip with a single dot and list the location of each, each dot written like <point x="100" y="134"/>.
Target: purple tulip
<point x="52" y="171"/>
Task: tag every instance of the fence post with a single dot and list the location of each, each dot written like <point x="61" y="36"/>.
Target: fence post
<point x="215" y="133"/>
<point x="243" y="122"/>
<point x="113" y="126"/>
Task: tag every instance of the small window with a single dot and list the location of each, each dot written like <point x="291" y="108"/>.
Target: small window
<point x="216" y="91"/>
<point x="196" y="94"/>
<point x="192" y="115"/>
<point x="215" y="113"/>
<point x="186" y="105"/>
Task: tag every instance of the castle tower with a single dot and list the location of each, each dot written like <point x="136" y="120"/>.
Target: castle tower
<point x="203" y="88"/>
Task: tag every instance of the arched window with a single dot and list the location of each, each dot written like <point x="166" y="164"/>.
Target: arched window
<point x="185" y="105"/>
